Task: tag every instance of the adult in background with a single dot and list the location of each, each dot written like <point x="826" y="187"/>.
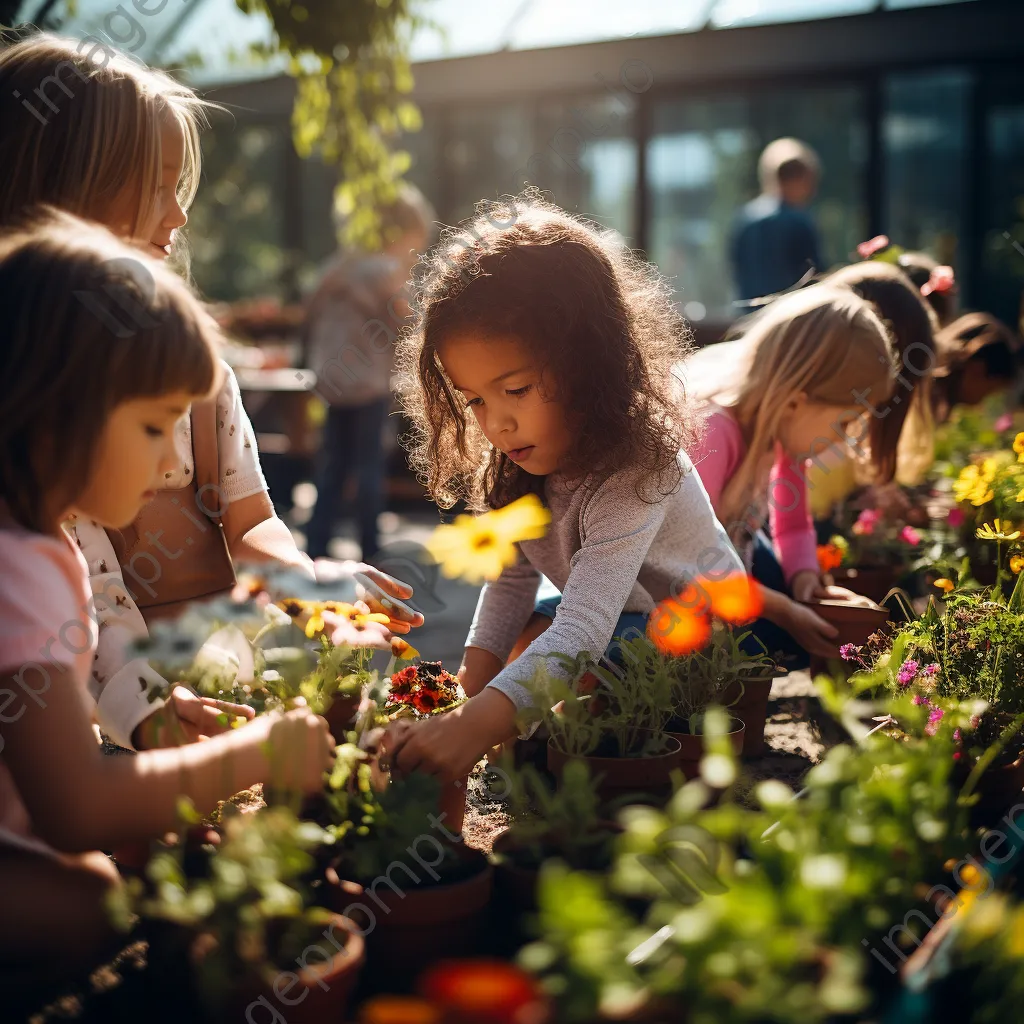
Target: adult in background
<point x="774" y="240"/>
<point x="354" y="318"/>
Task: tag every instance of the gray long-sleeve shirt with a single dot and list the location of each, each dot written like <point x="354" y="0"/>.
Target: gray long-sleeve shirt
<point x="608" y="551"/>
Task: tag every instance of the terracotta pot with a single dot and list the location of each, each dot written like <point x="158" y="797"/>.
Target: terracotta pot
<point x="452" y="804"/>
<point x="341" y="714"/>
<point x="409" y="926"/>
<point x="751" y="707"/>
<point x="854" y="622"/>
<point x="622" y="776"/>
<point x="873" y="581"/>
<point x="692" y="745"/>
<point x="305" y="995"/>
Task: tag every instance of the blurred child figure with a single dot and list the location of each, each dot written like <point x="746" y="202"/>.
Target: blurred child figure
<point x="978" y="356"/>
<point x="775" y="242"/>
<point x="354" y="318"/>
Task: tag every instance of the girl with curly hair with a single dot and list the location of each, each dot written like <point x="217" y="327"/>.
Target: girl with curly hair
<point x="542" y="362"/>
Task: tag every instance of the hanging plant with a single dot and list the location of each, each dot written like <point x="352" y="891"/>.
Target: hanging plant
<point x="351" y="64"/>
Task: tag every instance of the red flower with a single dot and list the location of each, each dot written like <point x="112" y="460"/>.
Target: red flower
<point x="424" y="701"/>
<point x="484" y="992"/>
<point x="868" y="249"/>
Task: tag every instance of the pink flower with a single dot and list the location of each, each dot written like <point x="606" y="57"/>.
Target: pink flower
<point x="942" y="280"/>
<point x="868" y="249"/>
<point x="935" y="715"/>
<point x="849" y="652"/>
<point x="955" y="517"/>
<point x="919" y="699"/>
<point x="866" y="522"/>
<point x="1004" y="423"/>
<point x="910" y="535"/>
<point x="930" y="670"/>
<point x="907" y="673"/>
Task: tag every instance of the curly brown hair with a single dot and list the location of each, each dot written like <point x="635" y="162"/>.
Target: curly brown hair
<point x="596" y="317"/>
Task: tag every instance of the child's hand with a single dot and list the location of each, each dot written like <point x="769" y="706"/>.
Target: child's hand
<point x="300" y="749"/>
<point x="450" y="745"/>
<point x="807" y="585"/>
<point x="375" y="595"/>
<point x="358" y="634"/>
<point x="810" y="630"/>
<point x="187" y="718"/>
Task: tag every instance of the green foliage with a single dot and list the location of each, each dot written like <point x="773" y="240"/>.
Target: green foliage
<point x="758" y="914"/>
<point x="340" y="671"/>
<point x="374" y="824"/>
<point x="556" y="821"/>
<point x="251" y="896"/>
<point x="353" y="76"/>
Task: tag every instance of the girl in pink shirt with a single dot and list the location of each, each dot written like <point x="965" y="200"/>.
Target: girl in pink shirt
<point x="87" y="417"/>
<point x="802" y="380"/>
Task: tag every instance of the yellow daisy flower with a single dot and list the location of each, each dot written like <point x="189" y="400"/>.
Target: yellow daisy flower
<point x="478" y="548"/>
<point x="1018" y="446"/>
<point x="1000" y="530"/>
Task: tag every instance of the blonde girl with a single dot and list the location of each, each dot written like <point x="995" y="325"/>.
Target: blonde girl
<point x="119" y="143"/>
<point x="87" y="421"/>
<point x="800" y="383"/>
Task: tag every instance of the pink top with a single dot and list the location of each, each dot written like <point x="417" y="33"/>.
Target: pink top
<point x="45" y="623"/>
<point x="717" y="458"/>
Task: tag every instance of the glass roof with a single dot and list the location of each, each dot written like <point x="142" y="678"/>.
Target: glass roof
<point x="217" y="36"/>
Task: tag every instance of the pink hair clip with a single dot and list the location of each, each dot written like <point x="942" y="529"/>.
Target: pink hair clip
<point x="868" y="249"/>
<point x="941" y="281"/>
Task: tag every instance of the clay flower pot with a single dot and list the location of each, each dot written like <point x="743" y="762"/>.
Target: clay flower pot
<point x="306" y="995"/>
<point x="621" y="776"/>
<point x="872" y="581"/>
<point x="855" y="622"/>
<point x="409" y="925"/>
<point x="692" y="744"/>
<point x="748" y="701"/>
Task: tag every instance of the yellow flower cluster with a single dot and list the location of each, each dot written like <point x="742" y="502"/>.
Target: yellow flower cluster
<point x="975" y="482"/>
<point x="310" y="614"/>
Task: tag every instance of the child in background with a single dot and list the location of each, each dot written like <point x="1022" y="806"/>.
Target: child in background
<point x="796" y="385"/>
<point x="87" y="421"/>
<point x="542" y="363"/>
<point x="978" y="356"/>
<point x="125" y="152"/>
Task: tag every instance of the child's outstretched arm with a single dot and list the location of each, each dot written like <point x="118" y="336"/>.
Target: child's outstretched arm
<point x="81" y="799"/>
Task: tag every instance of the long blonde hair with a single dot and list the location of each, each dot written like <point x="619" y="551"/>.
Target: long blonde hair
<point x="821" y="341"/>
<point x="81" y="123"/>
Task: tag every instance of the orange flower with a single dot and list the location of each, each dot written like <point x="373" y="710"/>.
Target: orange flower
<point x="945" y="585"/>
<point x="737" y="599"/>
<point x="677" y="629"/>
<point x="829" y="557"/>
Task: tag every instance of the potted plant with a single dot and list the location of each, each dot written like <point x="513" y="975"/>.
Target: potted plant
<point x="562" y="822"/>
<point x="613" y="718"/>
<point x="967" y="661"/>
<point x="777" y="911"/>
<point x="395" y="867"/>
<point x="239" y="923"/>
<point x="721" y="673"/>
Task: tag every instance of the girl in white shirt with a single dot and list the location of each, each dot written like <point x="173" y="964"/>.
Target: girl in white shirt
<point x="125" y="152"/>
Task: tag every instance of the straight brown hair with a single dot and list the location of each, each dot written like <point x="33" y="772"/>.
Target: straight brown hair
<point x="88" y="323"/>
